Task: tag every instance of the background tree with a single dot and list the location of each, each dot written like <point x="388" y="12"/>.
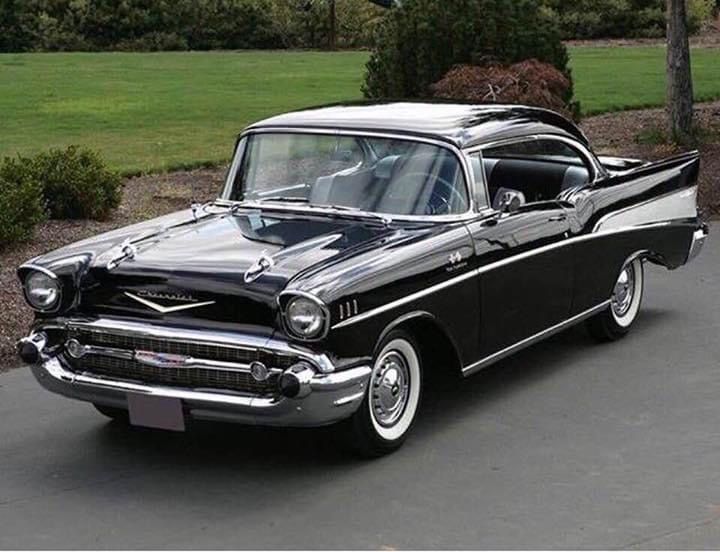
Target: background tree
<point x="679" y="76"/>
<point x="420" y="40"/>
<point x="332" y="24"/>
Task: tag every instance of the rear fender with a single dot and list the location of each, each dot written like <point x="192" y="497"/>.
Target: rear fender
<point x="653" y="193"/>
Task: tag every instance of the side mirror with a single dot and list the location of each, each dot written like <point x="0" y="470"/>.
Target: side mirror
<point x="508" y="201"/>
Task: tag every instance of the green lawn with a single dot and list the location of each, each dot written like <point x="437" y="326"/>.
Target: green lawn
<point x="611" y="79"/>
<point x="156" y="111"/>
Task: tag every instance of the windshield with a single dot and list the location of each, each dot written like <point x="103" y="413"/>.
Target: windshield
<point x="380" y="175"/>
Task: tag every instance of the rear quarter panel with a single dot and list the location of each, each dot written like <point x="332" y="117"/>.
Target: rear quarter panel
<point x="650" y="210"/>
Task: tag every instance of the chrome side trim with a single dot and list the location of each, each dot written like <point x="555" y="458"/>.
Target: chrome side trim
<point x="406" y="299"/>
<point x="679" y="204"/>
<point x="480" y="364"/>
<point x="491" y="266"/>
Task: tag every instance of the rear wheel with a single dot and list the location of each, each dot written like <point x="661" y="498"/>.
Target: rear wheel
<point x="387" y="413"/>
<point x="615" y="322"/>
<point x="116" y="414"/>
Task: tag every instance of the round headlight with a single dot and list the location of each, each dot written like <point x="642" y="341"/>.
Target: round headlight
<point x="42" y="290"/>
<point x="305" y="317"/>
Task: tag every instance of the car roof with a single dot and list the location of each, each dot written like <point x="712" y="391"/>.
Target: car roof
<point x="462" y="124"/>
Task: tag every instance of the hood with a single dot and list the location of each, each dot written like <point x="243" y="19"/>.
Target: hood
<point x="223" y="268"/>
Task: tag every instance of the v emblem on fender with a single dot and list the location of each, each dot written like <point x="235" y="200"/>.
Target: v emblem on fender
<point x="166" y="310"/>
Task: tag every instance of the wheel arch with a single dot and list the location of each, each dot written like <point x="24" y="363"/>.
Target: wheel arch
<point x="434" y="340"/>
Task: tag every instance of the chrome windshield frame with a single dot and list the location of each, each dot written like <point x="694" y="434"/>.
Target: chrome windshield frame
<point x="471" y="186"/>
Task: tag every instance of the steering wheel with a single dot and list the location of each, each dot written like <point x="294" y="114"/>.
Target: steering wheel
<point x="438" y="203"/>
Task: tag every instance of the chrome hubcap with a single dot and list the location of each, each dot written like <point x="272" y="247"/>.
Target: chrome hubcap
<point x="624" y="291"/>
<point x="390" y="389"/>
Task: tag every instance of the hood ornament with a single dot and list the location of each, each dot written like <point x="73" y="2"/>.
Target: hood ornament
<point x="166" y="310"/>
<point x="127" y="251"/>
<point x="263" y="263"/>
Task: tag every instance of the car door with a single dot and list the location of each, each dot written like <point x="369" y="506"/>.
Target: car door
<point x="525" y="281"/>
<point x="525" y="272"/>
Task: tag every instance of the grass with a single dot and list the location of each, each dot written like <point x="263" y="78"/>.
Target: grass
<point x="614" y="79"/>
<point x="162" y="111"/>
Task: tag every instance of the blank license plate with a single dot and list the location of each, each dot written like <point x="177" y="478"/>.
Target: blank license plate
<point x="156" y="412"/>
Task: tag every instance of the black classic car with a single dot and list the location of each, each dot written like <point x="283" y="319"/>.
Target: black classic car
<point x="353" y="249"/>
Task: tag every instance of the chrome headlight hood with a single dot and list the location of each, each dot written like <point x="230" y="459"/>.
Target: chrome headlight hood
<point x="67" y="271"/>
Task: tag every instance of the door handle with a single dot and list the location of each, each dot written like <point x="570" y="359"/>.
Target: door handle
<point x="558" y="218"/>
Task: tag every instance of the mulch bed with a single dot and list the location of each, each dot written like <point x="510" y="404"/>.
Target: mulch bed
<point x="150" y="196"/>
<point x="616" y="134"/>
<point x="707" y="38"/>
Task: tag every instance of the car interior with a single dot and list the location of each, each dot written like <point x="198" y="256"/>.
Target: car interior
<point x="540" y="174"/>
<point x="411" y="184"/>
<point x="406" y="178"/>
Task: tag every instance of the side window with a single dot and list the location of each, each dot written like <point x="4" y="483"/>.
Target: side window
<point x="539" y="169"/>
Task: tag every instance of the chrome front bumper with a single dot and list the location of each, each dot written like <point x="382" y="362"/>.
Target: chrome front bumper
<point x="328" y="396"/>
<point x="333" y="397"/>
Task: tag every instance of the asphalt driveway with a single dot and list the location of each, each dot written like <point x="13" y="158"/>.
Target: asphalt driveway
<point x="567" y="444"/>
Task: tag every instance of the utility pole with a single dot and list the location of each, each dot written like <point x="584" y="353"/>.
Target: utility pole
<point x="679" y="76"/>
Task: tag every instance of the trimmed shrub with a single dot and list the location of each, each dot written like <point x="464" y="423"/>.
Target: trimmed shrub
<point x="21" y="202"/>
<point x="421" y="40"/>
<point x="529" y="82"/>
<point x="76" y="183"/>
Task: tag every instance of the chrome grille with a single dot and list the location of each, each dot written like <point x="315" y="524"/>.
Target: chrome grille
<point x="190" y="377"/>
<point x="194" y="378"/>
<point x="138" y="343"/>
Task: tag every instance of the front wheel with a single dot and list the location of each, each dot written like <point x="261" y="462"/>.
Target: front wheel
<point x="615" y="322"/>
<point x="387" y="413"/>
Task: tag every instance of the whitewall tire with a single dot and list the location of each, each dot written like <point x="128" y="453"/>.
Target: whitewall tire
<point x="615" y="322"/>
<point x="388" y="411"/>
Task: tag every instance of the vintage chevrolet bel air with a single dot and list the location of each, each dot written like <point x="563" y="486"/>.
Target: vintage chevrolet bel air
<point x="354" y="249"/>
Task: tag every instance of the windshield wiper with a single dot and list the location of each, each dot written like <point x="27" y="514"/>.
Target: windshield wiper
<point x="289" y="199"/>
<point x="386" y="220"/>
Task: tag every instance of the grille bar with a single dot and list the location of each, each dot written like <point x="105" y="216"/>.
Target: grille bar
<point x="194" y="378"/>
<point x="195" y="375"/>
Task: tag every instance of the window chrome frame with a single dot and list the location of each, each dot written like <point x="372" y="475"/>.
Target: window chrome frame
<point x="598" y="172"/>
<point x="470" y="185"/>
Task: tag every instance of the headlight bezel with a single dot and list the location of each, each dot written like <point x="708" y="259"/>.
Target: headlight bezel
<point x="287" y="299"/>
<point x="51" y="277"/>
